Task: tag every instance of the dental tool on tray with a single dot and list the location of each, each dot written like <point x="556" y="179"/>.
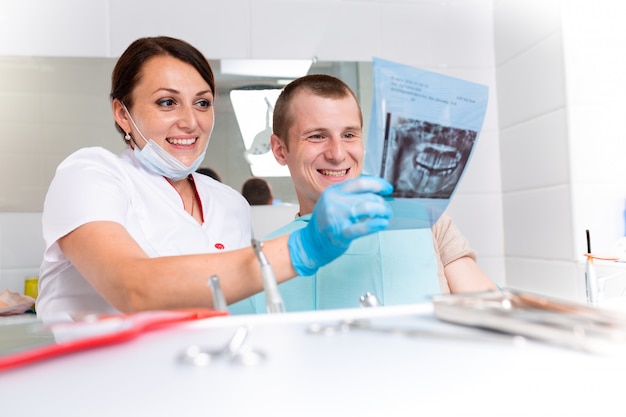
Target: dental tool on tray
<point x="369" y="300"/>
<point x="273" y="300"/>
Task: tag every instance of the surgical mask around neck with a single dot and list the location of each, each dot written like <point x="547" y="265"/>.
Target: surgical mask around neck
<point x="159" y="161"/>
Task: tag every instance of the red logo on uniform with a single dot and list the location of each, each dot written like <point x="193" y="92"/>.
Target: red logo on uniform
<point x="219" y="246"/>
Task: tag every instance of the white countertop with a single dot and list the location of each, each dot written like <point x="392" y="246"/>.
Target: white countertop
<point x="353" y="373"/>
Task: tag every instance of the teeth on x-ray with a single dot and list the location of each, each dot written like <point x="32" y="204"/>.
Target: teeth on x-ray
<point x="425" y="160"/>
<point x="437" y="157"/>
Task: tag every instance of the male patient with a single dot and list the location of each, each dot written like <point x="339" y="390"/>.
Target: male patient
<point x="318" y="135"/>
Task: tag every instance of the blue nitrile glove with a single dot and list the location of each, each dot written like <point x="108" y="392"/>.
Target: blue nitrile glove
<point x="343" y="213"/>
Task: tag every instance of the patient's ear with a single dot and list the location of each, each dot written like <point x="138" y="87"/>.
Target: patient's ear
<point x="278" y="149"/>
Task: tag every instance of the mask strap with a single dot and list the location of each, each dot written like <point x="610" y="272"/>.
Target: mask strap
<point x="134" y="125"/>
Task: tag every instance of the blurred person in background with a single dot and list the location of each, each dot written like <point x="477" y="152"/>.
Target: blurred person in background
<point x="257" y="191"/>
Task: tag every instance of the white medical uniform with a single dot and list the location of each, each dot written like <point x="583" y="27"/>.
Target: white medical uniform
<point x="94" y="184"/>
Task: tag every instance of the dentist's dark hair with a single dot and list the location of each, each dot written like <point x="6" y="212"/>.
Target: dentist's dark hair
<point x="127" y="71"/>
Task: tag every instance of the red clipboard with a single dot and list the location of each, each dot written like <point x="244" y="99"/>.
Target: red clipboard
<point x="46" y="341"/>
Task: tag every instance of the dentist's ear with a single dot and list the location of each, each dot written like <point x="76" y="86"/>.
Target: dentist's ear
<point x="120" y="115"/>
<point x="279" y="149"/>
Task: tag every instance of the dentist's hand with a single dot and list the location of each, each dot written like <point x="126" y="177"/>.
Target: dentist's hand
<point x="343" y="213"/>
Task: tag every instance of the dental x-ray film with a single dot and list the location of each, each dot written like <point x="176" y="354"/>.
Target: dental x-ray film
<point x="423" y="129"/>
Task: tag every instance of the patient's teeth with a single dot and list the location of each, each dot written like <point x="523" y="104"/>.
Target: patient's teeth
<point x="333" y="173"/>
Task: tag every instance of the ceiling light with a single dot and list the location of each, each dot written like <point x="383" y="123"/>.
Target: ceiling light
<point x="285" y="68"/>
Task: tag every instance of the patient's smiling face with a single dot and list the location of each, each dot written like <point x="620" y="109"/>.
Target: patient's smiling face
<point x="324" y="144"/>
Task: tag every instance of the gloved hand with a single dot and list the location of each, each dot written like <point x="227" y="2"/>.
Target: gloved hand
<point x="343" y="213"/>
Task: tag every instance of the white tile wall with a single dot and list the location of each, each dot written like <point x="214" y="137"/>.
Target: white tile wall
<point x="535" y="153"/>
<point x="519" y="25"/>
<point x="538" y="223"/>
<point x="54" y="28"/>
<point x="558" y="138"/>
<point x="595" y="36"/>
<point x="549" y="277"/>
<point x="438" y="34"/>
<point x="532" y="83"/>
<point x="600" y="208"/>
<point x="220" y="29"/>
<point x="335" y="30"/>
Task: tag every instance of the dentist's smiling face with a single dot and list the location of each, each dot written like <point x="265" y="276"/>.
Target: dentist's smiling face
<point x="324" y="144"/>
<point x="172" y="105"/>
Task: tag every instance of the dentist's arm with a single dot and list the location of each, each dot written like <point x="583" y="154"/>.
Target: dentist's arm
<point x="116" y="266"/>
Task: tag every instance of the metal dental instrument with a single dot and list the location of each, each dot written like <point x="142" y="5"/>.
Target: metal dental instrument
<point x="369" y="300"/>
<point x="241" y="353"/>
<point x="219" y="302"/>
<point x="235" y="351"/>
<point x="346" y="326"/>
<point x="273" y="300"/>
